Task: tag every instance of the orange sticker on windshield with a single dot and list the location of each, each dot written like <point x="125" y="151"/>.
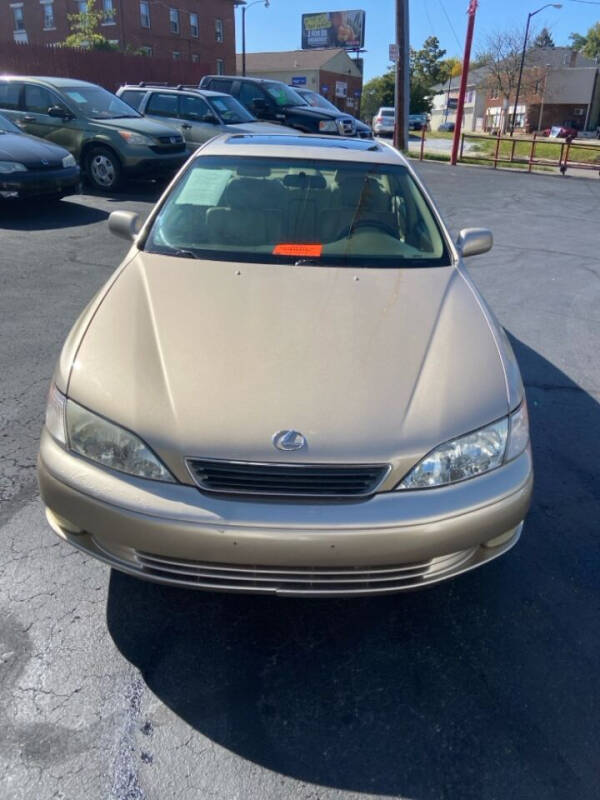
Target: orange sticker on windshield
<point x="311" y="250"/>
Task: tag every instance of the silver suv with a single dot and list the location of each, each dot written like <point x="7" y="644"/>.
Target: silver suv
<point x="198" y="113"/>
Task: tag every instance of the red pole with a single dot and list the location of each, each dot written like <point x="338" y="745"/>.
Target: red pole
<point x="463" y="80"/>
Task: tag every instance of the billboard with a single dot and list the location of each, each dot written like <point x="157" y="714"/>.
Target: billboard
<point x="334" y="29"/>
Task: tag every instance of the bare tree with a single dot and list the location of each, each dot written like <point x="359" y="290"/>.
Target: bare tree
<point x="501" y="57"/>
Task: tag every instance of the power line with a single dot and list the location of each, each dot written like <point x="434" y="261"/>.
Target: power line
<point x="586" y="2"/>
<point x="443" y="7"/>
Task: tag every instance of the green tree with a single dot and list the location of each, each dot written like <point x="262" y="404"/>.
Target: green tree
<point x="588" y="45"/>
<point x="84" y="28"/>
<point x="543" y="39"/>
<point x="578" y="42"/>
<point x="378" y="92"/>
<point x="592" y="42"/>
<point x="426" y="63"/>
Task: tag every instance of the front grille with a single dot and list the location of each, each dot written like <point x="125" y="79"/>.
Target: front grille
<point x="174" y="139"/>
<point x="300" y="580"/>
<point x="313" y="480"/>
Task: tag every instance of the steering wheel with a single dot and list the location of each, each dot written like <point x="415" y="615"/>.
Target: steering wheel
<point x="369" y="223"/>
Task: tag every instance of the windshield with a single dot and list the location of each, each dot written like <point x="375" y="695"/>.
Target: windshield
<point x="7" y="127"/>
<point x="96" y="103"/>
<point x="316" y="101"/>
<point x="311" y="212"/>
<point x="283" y="95"/>
<point x="229" y="109"/>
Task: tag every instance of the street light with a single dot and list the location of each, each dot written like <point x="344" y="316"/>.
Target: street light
<point x="529" y="16"/>
<point x="245" y="7"/>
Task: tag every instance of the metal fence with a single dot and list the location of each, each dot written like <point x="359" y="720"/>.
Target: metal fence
<point x="562" y="154"/>
<point x="107" y="68"/>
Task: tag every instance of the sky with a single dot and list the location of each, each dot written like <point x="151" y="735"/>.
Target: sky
<point x="278" y="27"/>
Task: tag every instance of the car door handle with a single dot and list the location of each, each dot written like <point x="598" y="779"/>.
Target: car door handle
<point x="27" y="118"/>
<point x="186" y="126"/>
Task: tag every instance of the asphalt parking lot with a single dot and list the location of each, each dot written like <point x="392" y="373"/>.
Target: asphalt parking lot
<point x="484" y="688"/>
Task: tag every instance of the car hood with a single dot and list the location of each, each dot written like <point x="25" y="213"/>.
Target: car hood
<point x="137" y="125"/>
<point x="319" y="113"/>
<point x="29" y="150"/>
<point x="210" y="359"/>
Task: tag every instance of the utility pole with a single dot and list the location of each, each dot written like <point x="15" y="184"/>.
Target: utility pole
<point x="463" y="80"/>
<point x="402" y="94"/>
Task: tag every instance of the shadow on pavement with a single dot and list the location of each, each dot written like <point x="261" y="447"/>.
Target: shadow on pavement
<point x="39" y="214"/>
<point x="480" y="688"/>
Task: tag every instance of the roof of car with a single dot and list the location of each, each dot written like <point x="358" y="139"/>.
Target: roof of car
<point x="281" y="145"/>
<point x="59" y="83"/>
<point x="187" y="89"/>
<point x="242" y="78"/>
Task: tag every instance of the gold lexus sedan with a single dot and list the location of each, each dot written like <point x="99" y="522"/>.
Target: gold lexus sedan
<point x="290" y="385"/>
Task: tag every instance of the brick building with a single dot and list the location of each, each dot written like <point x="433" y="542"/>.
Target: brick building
<point x="201" y="31"/>
<point x="331" y="73"/>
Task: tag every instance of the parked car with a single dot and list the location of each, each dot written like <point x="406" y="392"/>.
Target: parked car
<point x="416" y="122"/>
<point x="561" y="131"/>
<point x="275" y="101"/>
<point x="290" y="385"/>
<point x="198" y="113"/>
<point x="446" y="126"/>
<point x="317" y="100"/>
<point x="107" y="137"/>
<point x="383" y="122"/>
<point x="30" y="166"/>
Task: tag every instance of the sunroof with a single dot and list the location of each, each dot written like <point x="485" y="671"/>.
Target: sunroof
<point x="283" y="140"/>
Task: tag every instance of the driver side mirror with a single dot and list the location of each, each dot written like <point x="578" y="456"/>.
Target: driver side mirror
<point x="474" y="241"/>
<point x="58" y="111"/>
<point x="125" y="224"/>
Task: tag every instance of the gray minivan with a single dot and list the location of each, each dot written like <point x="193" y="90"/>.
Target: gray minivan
<point x="198" y="113"/>
<point x="107" y="137"/>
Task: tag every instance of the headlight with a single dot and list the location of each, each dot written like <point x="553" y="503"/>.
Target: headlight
<point x="6" y="167"/>
<point x="472" y="454"/>
<point x="101" y="441"/>
<point x="135" y="138"/>
<point x="328" y="126"/>
<point x="69" y="161"/>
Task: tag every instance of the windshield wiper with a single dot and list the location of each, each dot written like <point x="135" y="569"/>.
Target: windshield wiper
<point x="183" y="254"/>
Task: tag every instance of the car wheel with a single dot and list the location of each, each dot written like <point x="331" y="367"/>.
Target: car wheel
<point x="103" y="168"/>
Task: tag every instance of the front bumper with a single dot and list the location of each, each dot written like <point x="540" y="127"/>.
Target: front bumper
<point x="62" y="181"/>
<point x="175" y="534"/>
<point x="156" y="166"/>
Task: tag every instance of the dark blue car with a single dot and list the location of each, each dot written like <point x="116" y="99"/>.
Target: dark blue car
<point x="30" y="166"/>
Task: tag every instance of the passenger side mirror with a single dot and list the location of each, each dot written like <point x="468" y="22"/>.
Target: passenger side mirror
<point x="210" y="118"/>
<point x="474" y="241"/>
<point x="58" y="111"/>
<point x="125" y="224"/>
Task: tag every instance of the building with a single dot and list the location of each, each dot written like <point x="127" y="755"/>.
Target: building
<point x="558" y="85"/>
<point x="331" y="73"/>
<point x="445" y="100"/>
<point x="196" y="30"/>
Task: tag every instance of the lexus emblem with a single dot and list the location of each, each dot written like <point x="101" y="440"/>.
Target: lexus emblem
<point x="45" y="163"/>
<point x="289" y="440"/>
